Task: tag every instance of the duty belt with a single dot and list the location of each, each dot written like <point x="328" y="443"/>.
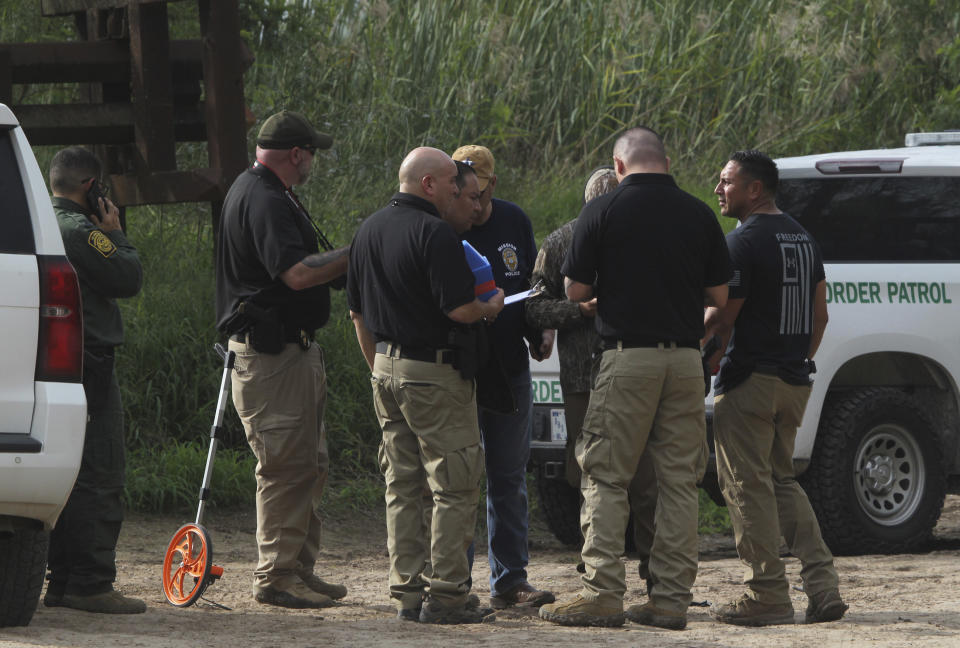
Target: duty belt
<point x="614" y="343"/>
<point x="422" y="354"/>
<point x="303" y="337"/>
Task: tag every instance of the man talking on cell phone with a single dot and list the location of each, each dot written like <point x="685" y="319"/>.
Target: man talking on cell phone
<point x="82" y="558"/>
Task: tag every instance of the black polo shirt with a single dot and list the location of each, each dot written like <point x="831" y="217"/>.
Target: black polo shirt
<point x="776" y="268"/>
<point x="650" y="249"/>
<point x="407" y="270"/>
<point x="262" y="235"/>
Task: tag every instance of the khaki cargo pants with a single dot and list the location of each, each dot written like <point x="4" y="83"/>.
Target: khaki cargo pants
<point x="428" y="414"/>
<point x="280" y="399"/>
<point x="647" y="399"/>
<point x="641" y="493"/>
<point x="755" y="426"/>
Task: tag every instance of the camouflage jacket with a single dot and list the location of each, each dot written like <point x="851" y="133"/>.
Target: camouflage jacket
<point x="577" y="337"/>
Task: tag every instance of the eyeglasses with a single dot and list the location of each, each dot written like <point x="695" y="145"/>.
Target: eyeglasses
<point x="312" y="150"/>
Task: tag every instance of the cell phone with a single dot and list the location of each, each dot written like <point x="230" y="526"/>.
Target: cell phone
<point x="93" y="198"/>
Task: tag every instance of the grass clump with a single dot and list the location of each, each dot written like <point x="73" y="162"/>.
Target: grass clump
<point x="167" y="478"/>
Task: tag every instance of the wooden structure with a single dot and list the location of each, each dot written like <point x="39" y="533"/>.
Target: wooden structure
<point x="145" y="93"/>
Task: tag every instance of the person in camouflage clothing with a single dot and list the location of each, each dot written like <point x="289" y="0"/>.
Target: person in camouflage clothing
<point x="83" y="542"/>
<point x="577" y="341"/>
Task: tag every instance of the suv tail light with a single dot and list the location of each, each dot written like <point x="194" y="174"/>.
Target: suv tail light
<point x="60" y="342"/>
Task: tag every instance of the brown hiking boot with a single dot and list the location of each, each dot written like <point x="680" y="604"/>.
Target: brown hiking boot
<point x="651" y="615"/>
<point x="435" y="612"/>
<point x="747" y="612"/>
<point x="580" y="612"/>
<point x="825" y="606"/>
<point x="333" y="590"/>
<point x="112" y="602"/>
<point x="297" y="596"/>
<point x="413" y="614"/>
<point x="523" y="595"/>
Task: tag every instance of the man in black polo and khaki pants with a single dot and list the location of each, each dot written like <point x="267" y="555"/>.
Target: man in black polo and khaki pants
<point x="652" y="255"/>
<point x="409" y="285"/>
<point x="271" y="298"/>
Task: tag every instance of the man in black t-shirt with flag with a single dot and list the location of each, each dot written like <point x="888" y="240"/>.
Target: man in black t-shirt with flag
<point x="771" y="327"/>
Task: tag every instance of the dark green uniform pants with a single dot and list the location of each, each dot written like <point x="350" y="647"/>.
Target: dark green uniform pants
<point x="84" y="541"/>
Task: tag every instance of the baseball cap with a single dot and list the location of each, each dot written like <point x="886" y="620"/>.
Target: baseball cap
<point x="287" y="129"/>
<point x="478" y="157"/>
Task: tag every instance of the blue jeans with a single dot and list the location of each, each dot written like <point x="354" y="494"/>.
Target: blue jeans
<point x="506" y="443"/>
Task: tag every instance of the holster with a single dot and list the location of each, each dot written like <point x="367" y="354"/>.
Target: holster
<point x="97" y="374"/>
<point x="475" y="358"/>
<point x="466" y="352"/>
<point x="263" y="326"/>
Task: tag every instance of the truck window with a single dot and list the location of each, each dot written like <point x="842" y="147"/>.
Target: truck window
<point x="16" y="231"/>
<point x="889" y="219"/>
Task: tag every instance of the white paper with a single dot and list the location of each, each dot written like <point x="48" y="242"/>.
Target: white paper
<point x="520" y="296"/>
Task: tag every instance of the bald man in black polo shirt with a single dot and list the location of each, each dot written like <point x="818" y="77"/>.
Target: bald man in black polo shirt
<point x="653" y="255"/>
<point x="408" y="287"/>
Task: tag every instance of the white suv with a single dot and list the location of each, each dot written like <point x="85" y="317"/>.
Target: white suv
<point x="42" y="405"/>
<point x="880" y="441"/>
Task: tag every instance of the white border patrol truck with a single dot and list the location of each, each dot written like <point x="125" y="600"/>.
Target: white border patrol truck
<point x="879" y="446"/>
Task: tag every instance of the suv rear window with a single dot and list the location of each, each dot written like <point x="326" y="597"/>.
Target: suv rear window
<point x="16" y="232"/>
<point x="878" y="219"/>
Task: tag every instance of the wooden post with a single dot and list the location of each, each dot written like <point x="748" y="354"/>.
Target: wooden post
<point x="151" y="85"/>
<point x="223" y="81"/>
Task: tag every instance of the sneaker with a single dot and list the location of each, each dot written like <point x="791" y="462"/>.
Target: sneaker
<point x="651" y="615"/>
<point x="523" y="595"/>
<point x="434" y="612"/>
<point x="747" y="612"/>
<point x="297" y="596"/>
<point x="112" y="602"/>
<point x="580" y="612"/>
<point x="333" y="590"/>
<point x="825" y="606"/>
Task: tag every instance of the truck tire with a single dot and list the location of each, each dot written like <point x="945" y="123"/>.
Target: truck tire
<point x="23" y="560"/>
<point x="876" y="479"/>
<point x="560" y="506"/>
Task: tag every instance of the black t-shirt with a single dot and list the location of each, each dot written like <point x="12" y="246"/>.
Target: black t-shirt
<point x="650" y="249"/>
<point x="776" y="267"/>
<point x="407" y="270"/>
<point x="263" y="234"/>
<point x="506" y="239"/>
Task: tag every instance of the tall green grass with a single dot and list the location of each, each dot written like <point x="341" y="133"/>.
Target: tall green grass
<point x="547" y="85"/>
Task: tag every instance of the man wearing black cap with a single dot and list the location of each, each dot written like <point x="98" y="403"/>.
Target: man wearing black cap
<point x="272" y="295"/>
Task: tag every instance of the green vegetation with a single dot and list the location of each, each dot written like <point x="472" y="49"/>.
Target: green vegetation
<point x="546" y="84"/>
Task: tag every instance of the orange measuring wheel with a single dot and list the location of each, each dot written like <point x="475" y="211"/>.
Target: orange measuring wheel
<point x="188" y="565"/>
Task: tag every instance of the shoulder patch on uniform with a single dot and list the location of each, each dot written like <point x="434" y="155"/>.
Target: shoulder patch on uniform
<point x="99" y="242"/>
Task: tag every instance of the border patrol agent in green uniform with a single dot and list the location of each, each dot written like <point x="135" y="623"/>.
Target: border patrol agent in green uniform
<point x="83" y="542"/>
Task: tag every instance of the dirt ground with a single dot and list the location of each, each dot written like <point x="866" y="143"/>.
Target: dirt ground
<point x="902" y="600"/>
